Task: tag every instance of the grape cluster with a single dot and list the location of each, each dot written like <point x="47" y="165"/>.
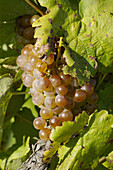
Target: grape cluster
<point x="59" y="96"/>
<point x="24" y="29"/>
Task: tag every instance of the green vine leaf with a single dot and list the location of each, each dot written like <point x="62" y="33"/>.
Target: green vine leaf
<point x="9" y="11"/>
<point x="64" y="132"/>
<point x="87" y="31"/>
<point x="77" y="153"/>
<point x="109" y="161"/>
<point x="5" y="95"/>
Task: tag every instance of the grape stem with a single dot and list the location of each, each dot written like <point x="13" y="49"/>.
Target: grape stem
<point x="28" y="121"/>
<point x="101" y="80"/>
<point x="19" y="93"/>
<point x="59" y="49"/>
<point x="35" y="7"/>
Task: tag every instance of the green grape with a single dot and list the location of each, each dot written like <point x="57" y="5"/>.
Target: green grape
<point x="54" y="121"/>
<point x="50" y="59"/>
<point x="46" y="113"/>
<point x="34" y="18"/>
<point x="25" y="20"/>
<point x="27" y="80"/>
<point x="38" y="99"/>
<point x="21" y="61"/>
<point x="39" y="123"/>
<point x="66" y="79"/>
<point x="44" y="134"/>
<point x="79" y="96"/>
<point x="66" y="116"/>
<point x="44" y="83"/>
<point x="28" y="68"/>
<point x="27" y="50"/>
<point x="41" y="66"/>
<point x="55" y="80"/>
<point x="33" y="60"/>
<point x="61" y="90"/>
<point x="60" y="100"/>
<point x="50" y="102"/>
<point x="88" y="88"/>
<point x="28" y="33"/>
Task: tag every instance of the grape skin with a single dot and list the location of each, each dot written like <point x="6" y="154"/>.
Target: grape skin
<point x="44" y="134"/>
<point x="39" y="123"/>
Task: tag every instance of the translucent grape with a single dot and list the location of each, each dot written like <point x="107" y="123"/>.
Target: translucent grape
<point x="35" y="85"/>
<point x="79" y="96"/>
<point x="61" y="90"/>
<point x="28" y="68"/>
<point x="54" y="121"/>
<point x="27" y="50"/>
<point x="88" y="88"/>
<point x="55" y="80"/>
<point x="36" y="74"/>
<point x="44" y="134"/>
<point x="71" y="91"/>
<point x="66" y="79"/>
<point x="28" y="33"/>
<point x="57" y="110"/>
<point x="50" y="101"/>
<point x="50" y="59"/>
<point x="39" y="123"/>
<point x="66" y="116"/>
<point x="46" y="113"/>
<point x="32" y="91"/>
<point x="41" y="66"/>
<point x="34" y="18"/>
<point x="44" y="83"/>
<point x="38" y="99"/>
<point x="27" y="80"/>
<point x="60" y="100"/>
<point x="25" y="20"/>
<point x="21" y="61"/>
<point x="33" y="60"/>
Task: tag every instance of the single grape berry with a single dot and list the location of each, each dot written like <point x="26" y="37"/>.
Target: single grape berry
<point x="54" y="121"/>
<point x="43" y="83"/>
<point x="60" y="100"/>
<point x="33" y="60"/>
<point x="28" y="33"/>
<point x="88" y="88"/>
<point x="28" y="68"/>
<point x="79" y="96"/>
<point x="44" y="134"/>
<point x="66" y="116"/>
<point x="55" y="80"/>
<point x="46" y="113"/>
<point x="61" y="90"/>
<point x="66" y="79"/>
<point x="28" y="80"/>
<point x="70" y="103"/>
<point x="34" y="18"/>
<point x="39" y="123"/>
<point x="25" y="20"/>
<point x="21" y="61"/>
<point x="27" y="50"/>
<point x="50" y="102"/>
<point x="50" y="59"/>
<point x="38" y="99"/>
<point x="41" y="66"/>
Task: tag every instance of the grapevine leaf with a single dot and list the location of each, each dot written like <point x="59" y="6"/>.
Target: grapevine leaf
<point x="77" y="153"/>
<point x="5" y="95"/>
<point x="109" y="161"/>
<point x="19" y="153"/>
<point x="64" y="132"/>
<point x="49" y="153"/>
<point x="23" y="125"/>
<point x="87" y="37"/>
<point x="106" y="102"/>
<point x="9" y="11"/>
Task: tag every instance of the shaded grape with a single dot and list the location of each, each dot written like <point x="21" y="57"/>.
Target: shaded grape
<point x="39" y="123"/>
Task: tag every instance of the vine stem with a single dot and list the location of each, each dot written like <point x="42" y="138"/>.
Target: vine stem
<point x="101" y="80"/>
<point x="28" y="121"/>
<point x="19" y="93"/>
<point x="35" y="7"/>
<point x="59" y="49"/>
<point x="102" y="159"/>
